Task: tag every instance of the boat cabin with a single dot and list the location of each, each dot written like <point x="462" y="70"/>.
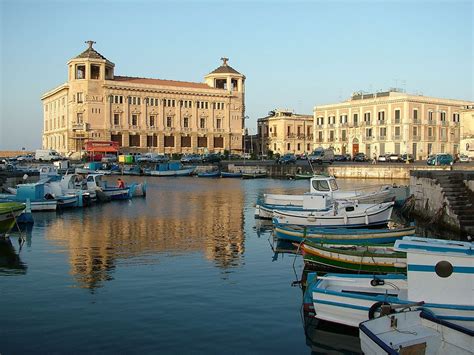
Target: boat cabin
<point x="323" y="184"/>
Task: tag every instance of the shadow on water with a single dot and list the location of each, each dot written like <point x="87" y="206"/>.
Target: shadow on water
<point x="10" y="261"/>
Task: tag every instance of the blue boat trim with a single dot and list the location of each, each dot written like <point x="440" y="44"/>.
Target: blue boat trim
<point x="344" y="305"/>
<point x="440" y="320"/>
<point x="377" y="340"/>
<point x="431" y="268"/>
<point x="436" y="249"/>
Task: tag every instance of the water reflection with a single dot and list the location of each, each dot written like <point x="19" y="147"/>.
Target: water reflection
<point x="200" y="216"/>
<point x="10" y="261"/>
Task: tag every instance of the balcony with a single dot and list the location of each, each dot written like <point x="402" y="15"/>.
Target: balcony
<point x="80" y="126"/>
<point x="396" y="137"/>
<point x="368" y="138"/>
<point x="382" y="138"/>
<point x="309" y="137"/>
<point x="416" y="121"/>
<point x="220" y="130"/>
<point x="343" y="139"/>
<point x="291" y="135"/>
<point x="168" y="129"/>
<point x="416" y="138"/>
<point x="202" y="130"/>
<point x="444" y="123"/>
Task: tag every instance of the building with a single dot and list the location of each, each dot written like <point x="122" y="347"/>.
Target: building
<point x="144" y="114"/>
<point x="283" y="131"/>
<point x="389" y="122"/>
<point x="467" y="131"/>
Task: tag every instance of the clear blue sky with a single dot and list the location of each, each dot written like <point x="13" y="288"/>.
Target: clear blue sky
<point x="294" y="54"/>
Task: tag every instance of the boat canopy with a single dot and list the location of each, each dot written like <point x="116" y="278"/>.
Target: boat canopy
<point x="323" y="184"/>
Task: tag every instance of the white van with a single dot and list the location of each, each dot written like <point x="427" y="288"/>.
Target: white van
<point x="321" y="155"/>
<point x="47" y="155"/>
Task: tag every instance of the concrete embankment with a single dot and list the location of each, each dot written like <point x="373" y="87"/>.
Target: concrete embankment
<point x="444" y="198"/>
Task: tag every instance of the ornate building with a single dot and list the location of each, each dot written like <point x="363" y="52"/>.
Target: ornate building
<point x="143" y="114"/>
<point x="467" y="131"/>
<point x="389" y="122"/>
<point x="283" y="131"/>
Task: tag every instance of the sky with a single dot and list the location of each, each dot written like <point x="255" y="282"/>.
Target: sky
<point x="294" y="54"/>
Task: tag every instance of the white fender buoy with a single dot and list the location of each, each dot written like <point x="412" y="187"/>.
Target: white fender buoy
<point x="366" y="218"/>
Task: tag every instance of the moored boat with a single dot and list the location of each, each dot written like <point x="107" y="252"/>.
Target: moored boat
<point x="439" y="273"/>
<point x="210" y="174"/>
<point x="355" y="258"/>
<point x="170" y="169"/>
<point x="254" y="174"/>
<point x="9" y="212"/>
<point x="414" y="332"/>
<point x="347" y="236"/>
<point x="227" y="174"/>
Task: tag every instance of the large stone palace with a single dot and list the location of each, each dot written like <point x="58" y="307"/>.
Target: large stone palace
<point x="143" y="114"/>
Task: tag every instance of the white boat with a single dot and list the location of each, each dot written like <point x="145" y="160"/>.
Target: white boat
<point x="72" y="184"/>
<point x="170" y="169"/>
<point x="34" y="194"/>
<point x="414" y="332"/>
<point x="439" y="273"/>
<point x="95" y="182"/>
<point x="348" y="215"/>
<point x="322" y="186"/>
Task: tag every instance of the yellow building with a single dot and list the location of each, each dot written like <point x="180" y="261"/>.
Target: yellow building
<point x="283" y="131"/>
<point x="143" y="114"/>
<point x="467" y="131"/>
<point x="389" y="122"/>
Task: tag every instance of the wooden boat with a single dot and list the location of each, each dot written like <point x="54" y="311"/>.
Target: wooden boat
<point x="348" y="216"/>
<point x="373" y="259"/>
<point x="210" y="174"/>
<point x="227" y="174"/>
<point x="254" y="175"/>
<point x="327" y="185"/>
<point x="170" y="169"/>
<point x="414" y="332"/>
<point x="347" y="236"/>
<point x="303" y="176"/>
<point x="9" y="212"/>
<point x="439" y="272"/>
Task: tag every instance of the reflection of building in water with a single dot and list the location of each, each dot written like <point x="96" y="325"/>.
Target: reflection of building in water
<point x="207" y="221"/>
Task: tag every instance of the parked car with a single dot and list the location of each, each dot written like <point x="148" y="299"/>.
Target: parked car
<point x="191" y="159"/>
<point x="360" y="157"/>
<point x="25" y="158"/>
<point x="211" y="158"/>
<point x="235" y="156"/>
<point x="301" y="156"/>
<point x="440" y="159"/>
<point x="287" y="159"/>
<point x="247" y="156"/>
<point x="463" y="158"/>
<point x="382" y="158"/>
<point x="408" y="157"/>
<point x="153" y="158"/>
<point x="321" y="155"/>
<point x="395" y="158"/>
<point x="340" y="157"/>
<point x="109" y="158"/>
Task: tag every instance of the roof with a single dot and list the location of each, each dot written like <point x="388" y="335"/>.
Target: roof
<point x="225" y="68"/>
<point x="91" y="53"/>
<point x="149" y="81"/>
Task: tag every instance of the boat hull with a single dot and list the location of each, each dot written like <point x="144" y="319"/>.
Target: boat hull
<point x="9" y="212"/>
<point x="180" y="172"/>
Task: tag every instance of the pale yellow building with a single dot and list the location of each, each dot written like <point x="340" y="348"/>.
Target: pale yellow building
<point x="284" y="131"/>
<point x="389" y="122"/>
<point x="144" y="114"/>
<point x="467" y="131"/>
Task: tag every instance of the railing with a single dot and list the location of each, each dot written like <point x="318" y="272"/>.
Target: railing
<point x="168" y="129"/>
<point x="416" y="121"/>
<point x="382" y="138"/>
<point x="416" y="138"/>
<point x="202" y="130"/>
<point x="444" y="123"/>
<point x="219" y="130"/>
<point x="396" y="137"/>
<point x="309" y="137"/>
<point x="80" y="126"/>
<point x="343" y="139"/>
<point x="290" y="135"/>
<point x="397" y="121"/>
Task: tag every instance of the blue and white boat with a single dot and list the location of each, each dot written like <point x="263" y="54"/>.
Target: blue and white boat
<point x="170" y="169"/>
<point x="228" y="174"/>
<point x="35" y="194"/>
<point x="440" y="273"/>
<point x="210" y="174"/>
<point x="413" y="332"/>
<point x="96" y="182"/>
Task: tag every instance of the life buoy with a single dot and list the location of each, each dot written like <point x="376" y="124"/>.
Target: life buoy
<point x="376" y="307"/>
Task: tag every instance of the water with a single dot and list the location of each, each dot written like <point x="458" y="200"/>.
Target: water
<point x="184" y="270"/>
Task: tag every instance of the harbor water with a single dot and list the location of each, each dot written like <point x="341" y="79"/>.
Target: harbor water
<point x="186" y="269"/>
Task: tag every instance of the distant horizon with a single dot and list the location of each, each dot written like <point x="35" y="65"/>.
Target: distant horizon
<point x="295" y="55"/>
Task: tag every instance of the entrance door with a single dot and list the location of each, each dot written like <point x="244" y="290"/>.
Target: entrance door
<point x="355" y="149"/>
<point x="414" y="151"/>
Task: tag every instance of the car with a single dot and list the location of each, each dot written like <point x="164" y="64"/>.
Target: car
<point x="382" y="158"/>
<point x="340" y="157"/>
<point x="211" y="158"/>
<point x="301" y="156"/>
<point x="109" y="158"/>
<point x="463" y="158"/>
<point x="440" y="159"/>
<point x="153" y="158"/>
<point x="191" y="159"/>
<point x="321" y="155"/>
<point x="410" y="158"/>
<point x="234" y="156"/>
<point x="247" y="156"/>
<point x="360" y="157"/>
<point x="394" y="158"/>
<point x="26" y="157"/>
<point x="287" y="159"/>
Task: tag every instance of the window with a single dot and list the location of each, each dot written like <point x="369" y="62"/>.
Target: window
<point x="320" y="185"/>
<point x="202" y="142"/>
<point x="186" y="142"/>
<point x="169" y="141"/>
<point x="288" y="146"/>
<point x="169" y="121"/>
<point x="95" y="72"/>
<point x="343" y="119"/>
<point x="134" y="120"/>
<point x="134" y="100"/>
<point x="202" y="123"/>
<point x="218" y="123"/>
<point x="169" y="102"/>
<point x="116" y="119"/>
<point x="343" y="135"/>
<point x="203" y="105"/>
<point x="456" y="117"/>
<point x="331" y="136"/>
<point x="430" y="131"/>
<point x="218" y="142"/>
<point x="152" y="121"/>
<point x="186" y="122"/>
<point x="381" y="116"/>
<point x="356" y="119"/>
<point x="442" y="116"/>
<point x="320" y="121"/>
<point x="397" y="116"/>
<point x="79" y="117"/>
<point x="80" y="98"/>
<point x="367" y="117"/>
<point x="415" y="114"/>
<point x="368" y="132"/>
<point x="397" y="131"/>
<point x="383" y="132"/>
<point x="80" y="71"/>
<point x="186" y="103"/>
<point x="415" y="131"/>
<point x="118" y="99"/>
<point x="430" y="116"/>
<point x="151" y="141"/>
<point x="299" y="146"/>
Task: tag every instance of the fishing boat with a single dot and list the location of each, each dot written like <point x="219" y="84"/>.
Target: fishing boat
<point x="97" y="183"/>
<point x="338" y="215"/>
<point x="170" y="169"/>
<point x="439" y="273"/>
<point x="327" y="185"/>
<point x="9" y="212"/>
<point x="210" y="174"/>
<point x="258" y="174"/>
<point x="35" y="193"/>
<point x="132" y="170"/>
<point x="355" y="258"/>
<point x="414" y="332"/>
<point x="228" y="174"/>
<point x="303" y="176"/>
<point x="345" y="236"/>
<point x="73" y="184"/>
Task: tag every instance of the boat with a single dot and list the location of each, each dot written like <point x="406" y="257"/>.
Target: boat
<point x="96" y="182"/>
<point x="355" y="258"/>
<point x="32" y="193"/>
<point x="327" y="185"/>
<point x="338" y="215"/>
<point x="303" y="176"/>
<point x="347" y="236"/>
<point x="170" y="169"/>
<point x="132" y="170"/>
<point x="439" y="273"/>
<point x="9" y="212"/>
<point x="210" y="174"/>
<point x="72" y="184"/>
<point x="414" y="332"/>
<point x="228" y="174"/>
<point x="258" y="174"/>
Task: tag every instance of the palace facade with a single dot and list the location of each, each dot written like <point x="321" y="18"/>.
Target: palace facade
<point x="143" y="114"/>
<point x="390" y="122"/>
<point x="284" y="131"/>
